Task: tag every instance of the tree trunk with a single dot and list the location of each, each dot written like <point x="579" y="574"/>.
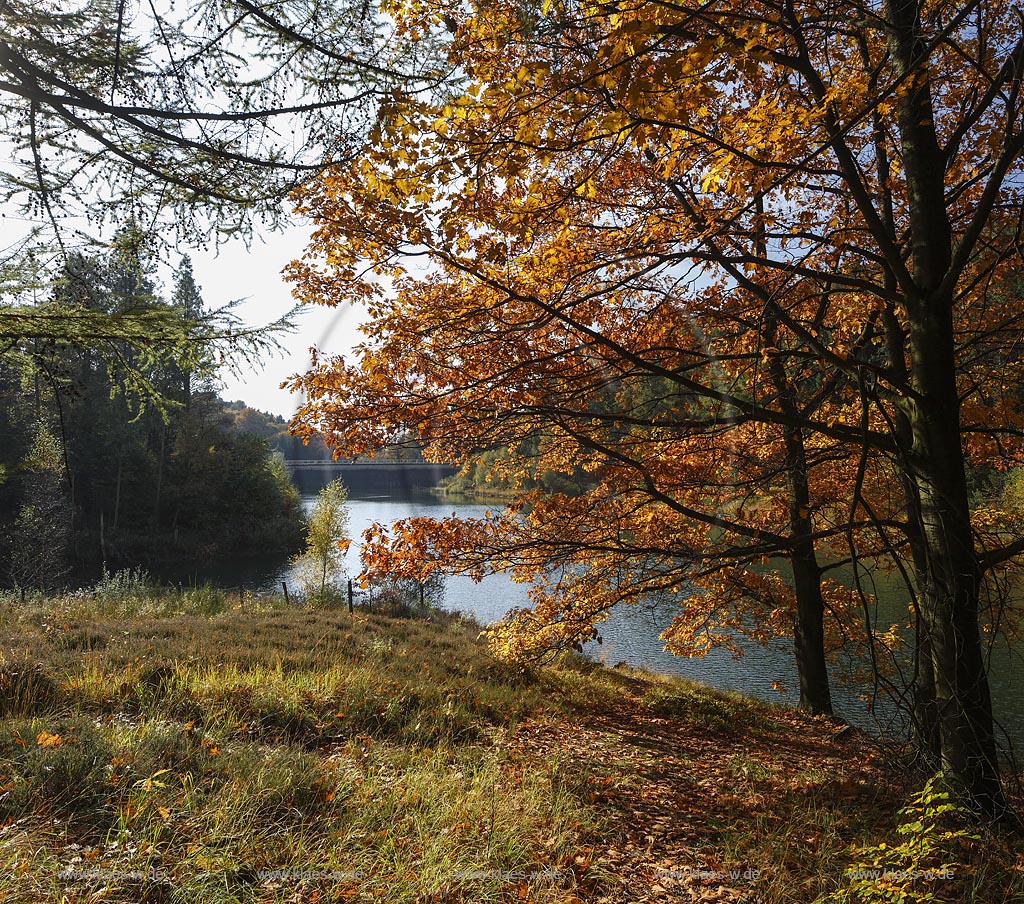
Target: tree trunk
<point x="949" y="602"/>
<point x="809" y="635"/>
<point x="809" y="632"/>
<point x="950" y="589"/>
<point x="950" y="585"/>
<point x="815" y="695"/>
<point x="117" y="495"/>
<point x="924" y="713"/>
<point x="927" y="740"/>
<point x="159" y="477"/>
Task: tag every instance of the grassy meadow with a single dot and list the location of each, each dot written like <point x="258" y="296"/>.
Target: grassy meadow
<point x="193" y="746"/>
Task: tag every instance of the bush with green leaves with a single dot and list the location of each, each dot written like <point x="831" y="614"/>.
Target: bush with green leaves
<point x="935" y="842"/>
<point x="322" y="565"/>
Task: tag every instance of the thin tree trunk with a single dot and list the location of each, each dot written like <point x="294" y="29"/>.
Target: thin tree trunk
<point x="809" y="637"/>
<point x="924" y="715"/>
<point x="809" y="632"/>
<point x="159" y="476"/>
<point x="815" y="694"/>
<point x="117" y="494"/>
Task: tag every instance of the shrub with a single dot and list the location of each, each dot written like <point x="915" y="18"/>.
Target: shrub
<point x="124" y="592"/>
<point x="407" y="596"/>
<point x="935" y="842"/>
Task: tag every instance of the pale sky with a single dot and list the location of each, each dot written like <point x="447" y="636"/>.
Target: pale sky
<point x="255" y="274"/>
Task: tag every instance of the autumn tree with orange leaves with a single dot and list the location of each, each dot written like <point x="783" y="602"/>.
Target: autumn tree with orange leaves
<point x="744" y="264"/>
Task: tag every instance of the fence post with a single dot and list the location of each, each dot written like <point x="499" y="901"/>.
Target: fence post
<point x="287" y="601"/>
<point x="422" y="604"/>
<point x="350" y="596"/>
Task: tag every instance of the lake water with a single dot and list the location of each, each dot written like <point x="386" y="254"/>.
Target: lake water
<point x="630" y="634"/>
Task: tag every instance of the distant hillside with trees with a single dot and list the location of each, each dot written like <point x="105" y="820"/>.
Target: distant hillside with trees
<point x="274" y="429"/>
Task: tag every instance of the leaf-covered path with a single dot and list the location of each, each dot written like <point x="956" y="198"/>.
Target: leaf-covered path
<point x="697" y="787"/>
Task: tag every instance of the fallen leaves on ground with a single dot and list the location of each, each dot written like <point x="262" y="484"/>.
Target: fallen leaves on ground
<point x="679" y="797"/>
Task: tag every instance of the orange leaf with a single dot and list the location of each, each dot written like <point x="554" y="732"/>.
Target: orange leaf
<point x="45" y="739"/>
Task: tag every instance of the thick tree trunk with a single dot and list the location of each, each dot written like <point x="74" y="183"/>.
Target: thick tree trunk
<point x="949" y="594"/>
<point x="950" y="585"/>
<point x="927" y="740"/>
<point x="925" y="714"/>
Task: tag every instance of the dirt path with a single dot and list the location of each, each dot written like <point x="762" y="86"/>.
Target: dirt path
<point x="689" y="802"/>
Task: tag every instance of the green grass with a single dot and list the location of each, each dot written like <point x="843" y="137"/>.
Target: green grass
<point x="718" y="712"/>
<point x="190" y="746"/>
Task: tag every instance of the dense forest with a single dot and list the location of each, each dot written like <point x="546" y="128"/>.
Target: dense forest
<point x="121" y="458"/>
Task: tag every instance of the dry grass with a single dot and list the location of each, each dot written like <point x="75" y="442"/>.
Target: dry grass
<point x="196" y="747"/>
